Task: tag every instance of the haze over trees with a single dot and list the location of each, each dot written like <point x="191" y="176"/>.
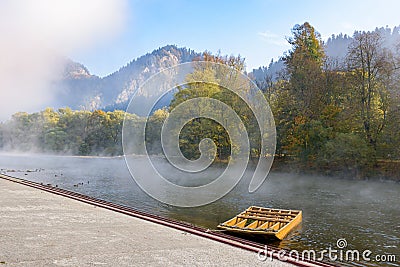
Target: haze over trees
<point x="336" y="108"/>
<point x="66" y="131"/>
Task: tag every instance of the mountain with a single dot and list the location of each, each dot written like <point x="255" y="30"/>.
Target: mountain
<point x="79" y="89"/>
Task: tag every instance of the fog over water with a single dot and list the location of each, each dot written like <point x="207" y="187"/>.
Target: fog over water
<point x="365" y="213"/>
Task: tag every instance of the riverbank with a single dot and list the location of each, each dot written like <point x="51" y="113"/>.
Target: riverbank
<point x="382" y="170"/>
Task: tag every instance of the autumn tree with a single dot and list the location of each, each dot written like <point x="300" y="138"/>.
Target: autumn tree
<point x="369" y="70"/>
<point x="209" y="87"/>
<point x="304" y="133"/>
<point x="304" y="65"/>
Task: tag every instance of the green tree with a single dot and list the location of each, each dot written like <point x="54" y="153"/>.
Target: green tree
<point x="347" y="152"/>
<point x="201" y="128"/>
<point x="97" y="135"/>
<point x="153" y="131"/>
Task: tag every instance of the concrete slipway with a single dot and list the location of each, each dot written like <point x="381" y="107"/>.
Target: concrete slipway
<point x="38" y="228"/>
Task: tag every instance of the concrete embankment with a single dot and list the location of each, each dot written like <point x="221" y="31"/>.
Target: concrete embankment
<point x="38" y="228"/>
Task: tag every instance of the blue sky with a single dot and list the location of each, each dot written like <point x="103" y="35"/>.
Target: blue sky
<point x="254" y="29"/>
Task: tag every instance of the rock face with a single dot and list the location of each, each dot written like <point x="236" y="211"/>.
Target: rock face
<point x="74" y="70"/>
<point x="79" y="89"/>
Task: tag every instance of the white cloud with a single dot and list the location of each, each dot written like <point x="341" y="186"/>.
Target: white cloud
<point x="33" y="36"/>
<point x="273" y="38"/>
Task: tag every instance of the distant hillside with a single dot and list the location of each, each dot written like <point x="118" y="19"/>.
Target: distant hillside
<point x="274" y="70"/>
<point x="79" y="89"/>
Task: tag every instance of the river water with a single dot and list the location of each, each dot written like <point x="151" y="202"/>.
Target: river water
<point x="364" y="213"/>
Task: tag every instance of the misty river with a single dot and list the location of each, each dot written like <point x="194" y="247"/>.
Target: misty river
<point x="365" y="213"/>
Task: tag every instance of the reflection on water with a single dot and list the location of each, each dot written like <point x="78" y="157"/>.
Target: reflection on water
<point x="365" y="213"/>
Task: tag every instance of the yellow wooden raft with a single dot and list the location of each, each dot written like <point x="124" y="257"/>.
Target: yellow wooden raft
<point x="258" y="221"/>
